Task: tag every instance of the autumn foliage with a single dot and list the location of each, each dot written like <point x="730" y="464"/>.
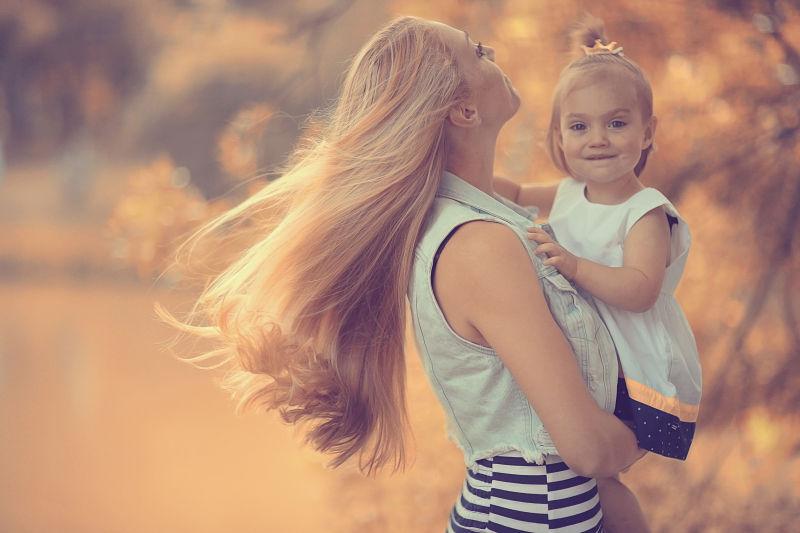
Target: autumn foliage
<point x="195" y="104"/>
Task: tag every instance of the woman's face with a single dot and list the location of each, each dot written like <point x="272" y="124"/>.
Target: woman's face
<point x="491" y="91"/>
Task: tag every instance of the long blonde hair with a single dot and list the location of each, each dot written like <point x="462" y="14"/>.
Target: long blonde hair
<point x="311" y="316"/>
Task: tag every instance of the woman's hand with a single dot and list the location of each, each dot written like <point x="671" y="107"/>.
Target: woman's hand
<point x="565" y="262"/>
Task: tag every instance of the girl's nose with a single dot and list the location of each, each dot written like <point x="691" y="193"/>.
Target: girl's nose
<point x="598" y="137"/>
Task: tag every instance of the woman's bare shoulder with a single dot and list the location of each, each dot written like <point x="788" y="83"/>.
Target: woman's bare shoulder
<point x="482" y="266"/>
<point x="481" y="257"/>
<point x="483" y="238"/>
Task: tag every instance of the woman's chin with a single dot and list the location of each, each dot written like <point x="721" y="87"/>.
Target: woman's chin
<point x="514" y="108"/>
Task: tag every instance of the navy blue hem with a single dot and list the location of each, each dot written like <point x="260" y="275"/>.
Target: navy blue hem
<point x="656" y="431"/>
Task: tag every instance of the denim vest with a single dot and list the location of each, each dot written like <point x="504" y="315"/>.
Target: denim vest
<point x="487" y="413"/>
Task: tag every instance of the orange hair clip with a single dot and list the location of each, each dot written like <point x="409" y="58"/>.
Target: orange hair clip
<point x="600" y="48"/>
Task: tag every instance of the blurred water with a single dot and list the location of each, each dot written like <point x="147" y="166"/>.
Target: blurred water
<point x="102" y="432"/>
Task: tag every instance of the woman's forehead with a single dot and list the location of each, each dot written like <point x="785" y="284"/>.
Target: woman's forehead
<point x="455" y="38"/>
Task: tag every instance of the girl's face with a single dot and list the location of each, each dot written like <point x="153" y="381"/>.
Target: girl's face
<point x="491" y="91"/>
<point x="602" y="130"/>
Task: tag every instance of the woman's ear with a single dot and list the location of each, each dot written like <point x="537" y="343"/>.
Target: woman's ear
<point x="649" y="133"/>
<point x="464" y="115"/>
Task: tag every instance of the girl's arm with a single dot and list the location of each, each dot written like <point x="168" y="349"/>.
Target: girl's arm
<point x="541" y="196"/>
<point x="635" y="285"/>
<point x="506" y="188"/>
<point x="505" y="307"/>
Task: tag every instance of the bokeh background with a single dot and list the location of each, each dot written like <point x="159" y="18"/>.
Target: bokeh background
<point x="125" y="124"/>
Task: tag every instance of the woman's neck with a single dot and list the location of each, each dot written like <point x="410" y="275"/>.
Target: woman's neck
<point x="473" y="161"/>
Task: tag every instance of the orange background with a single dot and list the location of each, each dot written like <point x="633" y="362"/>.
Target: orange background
<point x="125" y="124"/>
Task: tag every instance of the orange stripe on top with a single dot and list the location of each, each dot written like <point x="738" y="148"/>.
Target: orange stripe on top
<point x="669" y="404"/>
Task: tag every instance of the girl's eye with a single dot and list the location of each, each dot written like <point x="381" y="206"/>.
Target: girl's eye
<point x="617" y="124"/>
<point x="578" y="126"/>
<point x="479" y="50"/>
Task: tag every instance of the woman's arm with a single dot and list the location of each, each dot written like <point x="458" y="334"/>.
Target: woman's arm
<point x="506" y="307"/>
<point x="541" y="196"/>
<point x="635" y="286"/>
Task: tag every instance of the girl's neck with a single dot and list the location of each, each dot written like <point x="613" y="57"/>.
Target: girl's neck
<point x="613" y="192"/>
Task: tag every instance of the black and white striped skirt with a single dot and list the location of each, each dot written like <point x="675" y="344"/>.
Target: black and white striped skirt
<point x="508" y="495"/>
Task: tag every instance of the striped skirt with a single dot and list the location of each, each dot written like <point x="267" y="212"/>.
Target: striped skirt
<point x="509" y="495"/>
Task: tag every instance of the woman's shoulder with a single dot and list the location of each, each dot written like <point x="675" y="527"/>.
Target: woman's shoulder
<point x="483" y="240"/>
<point x="481" y="253"/>
<point x="481" y="269"/>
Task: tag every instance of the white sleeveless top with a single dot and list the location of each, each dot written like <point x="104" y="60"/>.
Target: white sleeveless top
<point x="656" y="348"/>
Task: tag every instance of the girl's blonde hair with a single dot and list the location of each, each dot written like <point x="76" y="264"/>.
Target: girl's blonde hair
<point x="311" y="316"/>
<point x="586" y="65"/>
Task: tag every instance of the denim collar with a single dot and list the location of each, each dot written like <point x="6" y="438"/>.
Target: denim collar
<point x="455" y="188"/>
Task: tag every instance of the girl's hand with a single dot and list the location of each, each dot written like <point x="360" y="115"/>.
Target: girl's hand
<point x="565" y="262"/>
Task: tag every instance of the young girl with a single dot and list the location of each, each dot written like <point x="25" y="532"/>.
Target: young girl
<point x="622" y="242"/>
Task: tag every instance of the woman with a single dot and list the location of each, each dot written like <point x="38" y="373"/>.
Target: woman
<point x="311" y="315"/>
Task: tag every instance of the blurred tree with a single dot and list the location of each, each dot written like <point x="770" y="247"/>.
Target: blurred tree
<point x="726" y="78"/>
<point x="270" y="53"/>
<point x="64" y="66"/>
